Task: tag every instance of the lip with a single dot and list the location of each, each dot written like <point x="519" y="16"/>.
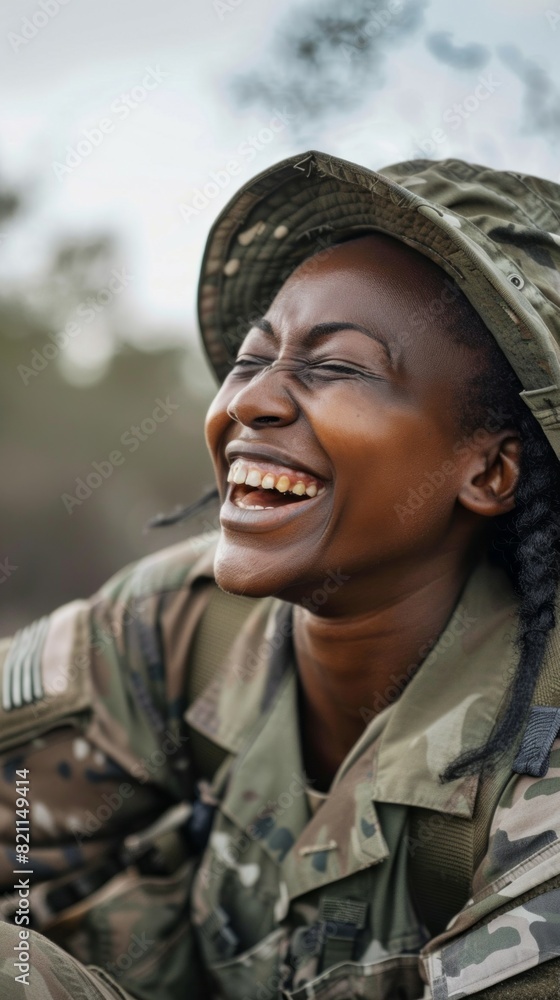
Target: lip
<point x="254" y="521"/>
<point x="240" y="519"/>
<point x="245" y="450"/>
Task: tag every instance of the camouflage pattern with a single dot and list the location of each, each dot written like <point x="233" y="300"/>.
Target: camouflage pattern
<point x="495" y="233"/>
<point x="285" y="900"/>
<point x="522" y="856"/>
<point x="106" y="758"/>
<point x="48" y="973"/>
<point x="523" y="937"/>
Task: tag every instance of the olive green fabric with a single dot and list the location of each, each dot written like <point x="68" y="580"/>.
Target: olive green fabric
<point x="539" y="983"/>
<point x="496" y="233"/>
<point x="279" y="893"/>
<point x="222" y="618"/>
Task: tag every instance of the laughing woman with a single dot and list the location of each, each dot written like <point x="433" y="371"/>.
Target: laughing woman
<point x="314" y="753"/>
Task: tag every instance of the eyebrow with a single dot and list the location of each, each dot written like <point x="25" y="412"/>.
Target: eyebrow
<point x="324" y="329"/>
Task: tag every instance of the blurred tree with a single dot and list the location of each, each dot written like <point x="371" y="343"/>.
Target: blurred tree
<point x="56" y="434"/>
<point x="77" y="269"/>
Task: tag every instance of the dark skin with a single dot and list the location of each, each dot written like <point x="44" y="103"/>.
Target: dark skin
<point x="369" y="412"/>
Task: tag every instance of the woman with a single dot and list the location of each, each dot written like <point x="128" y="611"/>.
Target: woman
<point x="366" y="733"/>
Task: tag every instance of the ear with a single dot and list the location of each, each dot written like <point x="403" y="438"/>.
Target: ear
<point x="492" y="475"/>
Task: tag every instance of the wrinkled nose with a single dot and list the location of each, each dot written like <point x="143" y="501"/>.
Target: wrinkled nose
<point x="265" y="400"/>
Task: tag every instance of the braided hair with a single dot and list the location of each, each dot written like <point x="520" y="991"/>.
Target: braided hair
<point x="525" y="541"/>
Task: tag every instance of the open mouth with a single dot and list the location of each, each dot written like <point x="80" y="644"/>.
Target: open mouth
<point x="266" y="486"/>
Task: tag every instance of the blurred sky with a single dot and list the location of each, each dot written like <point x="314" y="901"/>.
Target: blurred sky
<point x="72" y="74"/>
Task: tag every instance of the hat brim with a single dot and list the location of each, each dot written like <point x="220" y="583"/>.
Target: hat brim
<point x="302" y="205"/>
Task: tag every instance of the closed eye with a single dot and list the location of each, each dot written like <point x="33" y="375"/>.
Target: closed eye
<point x="302" y="369"/>
<point x="343" y="369"/>
<point x="251" y="362"/>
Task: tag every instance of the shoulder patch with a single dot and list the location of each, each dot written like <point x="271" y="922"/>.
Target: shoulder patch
<point x="44" y="675"/>
<point x="21" y="681"/>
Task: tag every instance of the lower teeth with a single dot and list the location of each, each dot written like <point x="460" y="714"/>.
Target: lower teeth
<point x="249" y="506"/>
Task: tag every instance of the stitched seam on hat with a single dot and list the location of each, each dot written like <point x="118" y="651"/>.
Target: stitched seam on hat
<point x="535" y="194"/>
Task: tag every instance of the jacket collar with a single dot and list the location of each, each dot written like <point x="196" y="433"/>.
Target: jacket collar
<point x="451" y="704"/>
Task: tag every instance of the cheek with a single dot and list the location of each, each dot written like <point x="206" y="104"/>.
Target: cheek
<point x="366" y="440"/>
<point x="217" y="421"/>
<point x="388" y="458"/>
<point x="413" y="482"/>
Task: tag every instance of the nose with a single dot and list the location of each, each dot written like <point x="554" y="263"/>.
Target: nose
<point x="265" y="400"/>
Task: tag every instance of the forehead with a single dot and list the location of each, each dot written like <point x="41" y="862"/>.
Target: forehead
<point x="376" y="263"/>
<point x="380" y="283"/>
<point x="372" y="273"/>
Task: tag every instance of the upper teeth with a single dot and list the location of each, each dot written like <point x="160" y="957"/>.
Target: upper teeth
<point x="241" y="472"/>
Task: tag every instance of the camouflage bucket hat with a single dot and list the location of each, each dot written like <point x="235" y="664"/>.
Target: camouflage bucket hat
<point x="496" y="233"/>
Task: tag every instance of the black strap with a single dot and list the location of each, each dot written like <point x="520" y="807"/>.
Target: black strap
<point x="343" y="918"/>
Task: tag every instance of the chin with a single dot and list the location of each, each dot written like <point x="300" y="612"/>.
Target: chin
<point x="237" y="571"/>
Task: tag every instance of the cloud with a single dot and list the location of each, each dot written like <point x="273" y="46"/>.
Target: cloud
<point x="472" y="56"/>
<point x="541" y="101"/>
<point x="330" y="56"/>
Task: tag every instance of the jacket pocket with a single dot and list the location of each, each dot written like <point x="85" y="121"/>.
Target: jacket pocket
<point x="137" y="928"/>
<point x="253" y="974"/>
<point x="394" y="978"/>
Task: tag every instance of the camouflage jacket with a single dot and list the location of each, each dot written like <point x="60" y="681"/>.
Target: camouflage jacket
<point x="267" y="896"/>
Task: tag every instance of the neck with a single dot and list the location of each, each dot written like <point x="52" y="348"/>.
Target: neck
<point x="351" y="667"/>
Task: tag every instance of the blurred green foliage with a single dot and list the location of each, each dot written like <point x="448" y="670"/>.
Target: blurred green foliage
<point x="52" y="431"/>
